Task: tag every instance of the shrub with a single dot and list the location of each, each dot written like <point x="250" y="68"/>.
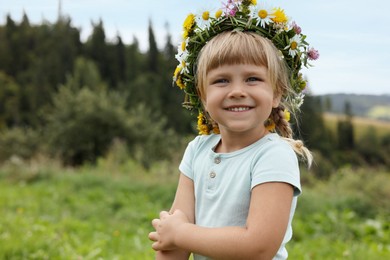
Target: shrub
<point x="19" y="142"/>
<point x="83" y="123"/>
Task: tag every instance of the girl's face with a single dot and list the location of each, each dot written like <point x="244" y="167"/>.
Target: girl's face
<point x="239" y="98"/>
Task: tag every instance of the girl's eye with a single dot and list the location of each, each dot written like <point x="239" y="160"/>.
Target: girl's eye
<point x="253" y="79"/>
<point x="220" y="81"/>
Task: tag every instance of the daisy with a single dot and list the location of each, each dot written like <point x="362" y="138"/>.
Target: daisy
<point x="182" y="55"/>
<point x="263" y="15"/>
<point x="294" y="44"/>
<point x="203" y="21"/>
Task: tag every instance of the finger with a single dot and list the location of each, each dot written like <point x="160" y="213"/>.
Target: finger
<point x="153" y="236"/>
<point x="155" y="246"/>
<point x="163" y="214"/>
<point x="155" y="223"/>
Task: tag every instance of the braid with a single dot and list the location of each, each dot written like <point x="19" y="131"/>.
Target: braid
<point x="282" y="127"/>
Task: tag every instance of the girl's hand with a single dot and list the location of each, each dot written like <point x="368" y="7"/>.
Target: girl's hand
<point x="167" y="228"/>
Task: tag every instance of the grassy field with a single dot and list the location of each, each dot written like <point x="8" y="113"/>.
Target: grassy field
<point x="362" y="125"/>
<point x="104" y="212"/>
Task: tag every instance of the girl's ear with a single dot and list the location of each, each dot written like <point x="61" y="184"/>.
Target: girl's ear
<point x="276" y="100"/>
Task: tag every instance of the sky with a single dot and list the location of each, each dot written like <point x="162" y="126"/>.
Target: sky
<point x="351" y="35"/>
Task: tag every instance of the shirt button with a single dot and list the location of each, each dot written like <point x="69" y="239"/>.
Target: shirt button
<point x="212" y="175"/>
<point x="217" y="160"/>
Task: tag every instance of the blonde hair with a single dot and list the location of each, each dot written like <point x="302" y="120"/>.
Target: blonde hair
<point x="237" y="47"/>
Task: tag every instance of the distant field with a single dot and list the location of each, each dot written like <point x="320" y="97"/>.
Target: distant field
<point x="362" y="125"/>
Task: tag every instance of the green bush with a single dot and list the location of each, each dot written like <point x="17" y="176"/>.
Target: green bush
<point x="86" y="117"/>
<point x="19" y="142"/>
<point x="83" y="123"/>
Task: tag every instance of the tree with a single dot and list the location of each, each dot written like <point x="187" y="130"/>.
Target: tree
<point x="135" y="61"/>
<point x="153" y="53"/>
<point x="97" y="50"/>
<point x="84" y="120"/>
<point x="10" y="114"/>
<point x="345" y="129"/>
<point x="119" y="63"/>
<point x="311" y="126"/>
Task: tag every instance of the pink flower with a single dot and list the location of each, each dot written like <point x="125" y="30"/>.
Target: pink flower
<point x="296" y="28"/>
<point x="230" y="7"/>
<point x="232" y="12"/>
<point x="313" y="54"/>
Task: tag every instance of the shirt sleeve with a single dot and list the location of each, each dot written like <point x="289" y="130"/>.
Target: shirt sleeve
<point x="185" y="166"/>
<point x="277" y="163"/>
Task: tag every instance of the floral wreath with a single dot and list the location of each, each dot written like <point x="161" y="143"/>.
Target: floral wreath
<point x="241" y="15"/>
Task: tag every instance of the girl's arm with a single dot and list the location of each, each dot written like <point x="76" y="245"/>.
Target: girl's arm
<point x="184" y="201"/>
<point x="261" y="238"/>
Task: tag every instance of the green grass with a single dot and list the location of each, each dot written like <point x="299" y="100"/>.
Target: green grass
<point x="104" y="212"/>
<point x="76" y="215"/>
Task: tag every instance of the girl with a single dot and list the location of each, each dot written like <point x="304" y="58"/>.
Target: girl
<point x="238" y="189"/>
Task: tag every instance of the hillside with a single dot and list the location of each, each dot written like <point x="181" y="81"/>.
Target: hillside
<point x="362" y="125"/>
<point x="371" y="106"/>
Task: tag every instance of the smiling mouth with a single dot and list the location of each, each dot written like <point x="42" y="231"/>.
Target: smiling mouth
<point x="238" y="109"/>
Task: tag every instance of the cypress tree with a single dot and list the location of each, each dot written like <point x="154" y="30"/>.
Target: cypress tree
<point x="153" y="53"/>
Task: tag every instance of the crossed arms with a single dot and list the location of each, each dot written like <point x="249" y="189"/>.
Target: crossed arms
<point x="176" y="234"/>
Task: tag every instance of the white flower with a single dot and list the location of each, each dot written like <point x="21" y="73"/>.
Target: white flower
<point x="182" y="55"/>
<point x="263" y="15"/>
<point x="203" y="20"/>
<point x="298" y="100"/>
<point x="294" y="44"/>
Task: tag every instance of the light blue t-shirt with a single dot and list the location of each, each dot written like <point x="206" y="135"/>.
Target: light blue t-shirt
<point x="223" y="181"/>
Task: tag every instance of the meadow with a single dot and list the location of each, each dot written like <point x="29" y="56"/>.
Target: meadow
<point x="104" y="211"/>
<point x="363" y="125"/>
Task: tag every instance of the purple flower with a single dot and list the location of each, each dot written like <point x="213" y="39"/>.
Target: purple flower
<point x="313" y="54"/>
<point x="232" y="12"/>
<point x="296" y="28"/>
<point x="230" y="7"/>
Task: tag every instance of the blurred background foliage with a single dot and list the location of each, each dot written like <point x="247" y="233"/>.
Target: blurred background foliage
<point x="91" y="134"/>
<point x="70" y="100"/>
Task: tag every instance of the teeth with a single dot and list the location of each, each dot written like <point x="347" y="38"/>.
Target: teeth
<point x="238" y="109"/>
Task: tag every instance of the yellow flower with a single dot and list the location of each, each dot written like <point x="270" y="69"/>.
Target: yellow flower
<point x="293" y="45"/>
<point x="206" y="15"/>
<point x="254" y="2"/>
<point x="302" y="84"/>
<point x="177" y="77"/>
<point x="218" y="13"/>
<point x="287" y="115"/>
<point x="183" y="46"/>
<point x="263" y="14"/>
<point x="188" y="25"/>
<point x="177" y="71"/>
<point x="279" y="16"/>
<point x="180" y="83"/>
<point x="271" y="126"/>
<point x="202" y="127"/>
<point x="200" y="118"/>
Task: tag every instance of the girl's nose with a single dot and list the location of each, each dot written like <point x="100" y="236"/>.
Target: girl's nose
<point x="237" y="91"/>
